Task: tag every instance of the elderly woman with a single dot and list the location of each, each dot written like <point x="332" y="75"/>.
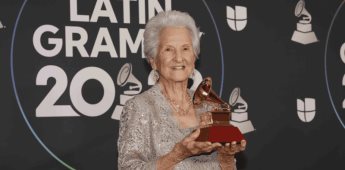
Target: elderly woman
<point x="158" y="128"/>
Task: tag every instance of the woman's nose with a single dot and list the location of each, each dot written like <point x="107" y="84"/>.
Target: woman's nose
<point x="178" y="56"/>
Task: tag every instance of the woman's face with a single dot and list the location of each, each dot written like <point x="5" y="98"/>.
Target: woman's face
<point x="175" y="57"/>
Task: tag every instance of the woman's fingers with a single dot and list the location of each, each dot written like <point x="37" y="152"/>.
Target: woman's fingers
<point x="213" y="146"/>
<point x="217" y="145"/>
<point x="194" y="135"/>
<point x="191" y="137"/>
<point x="243" y="145"/>
<point x="196" y="147"/>
<point x="201" y="147"/>
<point x="233" y="147"/>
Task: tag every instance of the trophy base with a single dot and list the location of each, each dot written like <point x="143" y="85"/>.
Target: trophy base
<point x="221" y="134"/>
<point x="304" y="37"/>
<point x="245" y="126"/>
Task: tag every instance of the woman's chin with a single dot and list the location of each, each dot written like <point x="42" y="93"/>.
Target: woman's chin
<point x="179" y="79"/>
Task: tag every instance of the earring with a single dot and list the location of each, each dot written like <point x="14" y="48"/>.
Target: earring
<point x="155" y="76"/>
<point x="193" y="74"/>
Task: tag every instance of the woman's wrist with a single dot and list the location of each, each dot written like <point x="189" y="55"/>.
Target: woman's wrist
<point x="172" y="158"/>
<point x="179" y="153"/>
<point x="226" y="162"/>
<point x="166" y="162"/>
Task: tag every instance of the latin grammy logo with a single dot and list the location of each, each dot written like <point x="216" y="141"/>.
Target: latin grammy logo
<point x="303" y="33"/>
<point x="306" y="109"/>
<point x="236" y="18"/>
<point x="125" y="77"/>
<point x="239" y="113"/>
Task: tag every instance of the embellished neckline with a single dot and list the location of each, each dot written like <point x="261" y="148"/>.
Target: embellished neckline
<point x="175" y="106"/>
<point x="158" y="89"/>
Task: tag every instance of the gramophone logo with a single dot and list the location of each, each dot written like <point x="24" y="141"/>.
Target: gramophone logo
<point x="236" y="18"/>
<point x="126" y="77"/>
<point x="239" y="116"/>
<point x="306" y="109"/>
<point x="303" y="33"/>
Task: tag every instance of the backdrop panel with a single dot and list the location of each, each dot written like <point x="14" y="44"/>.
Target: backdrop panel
<point x="68" y="67"/>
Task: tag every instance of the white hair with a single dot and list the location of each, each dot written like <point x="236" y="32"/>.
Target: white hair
<point x="166" y="19"/>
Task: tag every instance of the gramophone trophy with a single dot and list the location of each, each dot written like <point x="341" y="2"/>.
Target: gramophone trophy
<point x="304" y="33"/>
<point x="215" y="122"/>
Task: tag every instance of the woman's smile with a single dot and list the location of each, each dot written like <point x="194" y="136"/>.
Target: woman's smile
<point x="179" y="67"/>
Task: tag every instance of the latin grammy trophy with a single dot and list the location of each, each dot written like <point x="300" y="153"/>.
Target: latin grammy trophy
<point x="215" y="124"/>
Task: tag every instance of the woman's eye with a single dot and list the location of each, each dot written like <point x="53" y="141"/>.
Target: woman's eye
<point x="168" y="49"/>
<point x="186" y="48"/>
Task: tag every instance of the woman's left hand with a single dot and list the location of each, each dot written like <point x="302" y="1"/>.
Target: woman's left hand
<point x="226" y="154"/>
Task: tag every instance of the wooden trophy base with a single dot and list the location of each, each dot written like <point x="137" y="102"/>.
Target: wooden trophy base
<point x="221" y="134"/>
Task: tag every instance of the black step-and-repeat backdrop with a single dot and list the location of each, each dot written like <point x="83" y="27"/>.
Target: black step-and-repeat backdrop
<point x="68" y="67"/>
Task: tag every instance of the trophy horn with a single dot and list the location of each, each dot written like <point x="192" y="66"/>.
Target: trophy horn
<point x="204" y="93"/>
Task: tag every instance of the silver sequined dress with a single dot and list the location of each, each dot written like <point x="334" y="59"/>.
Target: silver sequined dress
<point x="148" y="130"/>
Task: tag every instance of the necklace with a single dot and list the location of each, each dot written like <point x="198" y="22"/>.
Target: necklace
<point x="178" y="108"/>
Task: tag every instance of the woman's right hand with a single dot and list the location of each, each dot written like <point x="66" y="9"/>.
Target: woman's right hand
<point x="189" y="147"/>
<point x="185" y="148"/>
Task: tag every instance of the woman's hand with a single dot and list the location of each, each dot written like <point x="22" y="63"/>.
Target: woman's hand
<point x="233" y="148"/>
<point x="189" y="147"/>
<point x="185" y="148"/>
<point x="226" y="154"/>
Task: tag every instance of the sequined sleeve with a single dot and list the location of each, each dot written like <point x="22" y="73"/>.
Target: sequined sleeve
<point x="133" y="147"/>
